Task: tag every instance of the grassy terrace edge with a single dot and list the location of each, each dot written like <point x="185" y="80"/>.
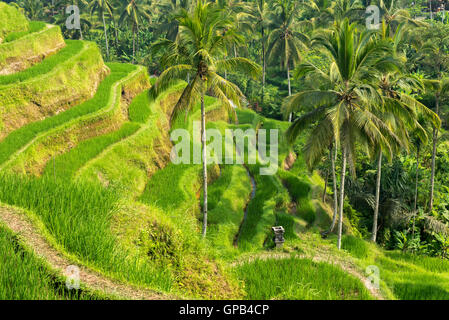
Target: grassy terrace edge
<point x="50" y="91"/>
<point x="104" y="101"/>
<point x="29" y="49"/>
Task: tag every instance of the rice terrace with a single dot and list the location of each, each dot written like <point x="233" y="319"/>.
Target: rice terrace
<point x="224" y="150"/>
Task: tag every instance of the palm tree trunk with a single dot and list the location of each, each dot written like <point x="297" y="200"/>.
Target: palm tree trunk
<point x="342" y="197"/>
<point x="416" y="189"/>
<point x="289" y="89"/>
<point x="105" y="34"/>
<point x="335" y="191"/>
<point x="323" y="199"/>
<point x="434" y="151"/>
<point x="203" y="143"/>
<point x="134" y="42"/>
<point x="263" y="62"/>
<point x="376" y="208"/>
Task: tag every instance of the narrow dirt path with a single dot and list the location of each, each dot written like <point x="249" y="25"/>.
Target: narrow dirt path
<point x="319" y="257"/>
<point x="20" y="224"/>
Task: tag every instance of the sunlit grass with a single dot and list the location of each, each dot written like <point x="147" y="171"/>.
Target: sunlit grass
<point x="299" y="279"/>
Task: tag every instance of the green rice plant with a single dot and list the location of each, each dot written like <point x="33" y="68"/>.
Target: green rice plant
<point x="72" y="48"/>
<point x="356" y="246"/>
<point x="23" y="276"/>
<point x="78" y="216"/>
<point x="21" y="137"/>
<point x="139" y="110"/>
<point x="35" y="26"/>
<point x="298" y="187"/>
<point x="306" y="211"/>
<point x="432" y="264"/>
<point x="11" y="20"/>
<point x="299" y="279"/>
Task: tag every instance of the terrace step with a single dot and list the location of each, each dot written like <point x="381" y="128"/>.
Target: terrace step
<point x="28" y="149"/>
<point x="56" y="84"/>
<point x="30" y="49"/>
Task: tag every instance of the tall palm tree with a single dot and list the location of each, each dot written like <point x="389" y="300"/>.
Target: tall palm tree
<point x="430" y="45"/>
<point x="400" y="112"/>
<point x="394" y="15"/>
<point x="167" y="10"/>
<point x="440" y="87"/>
<point x="102" y="7"/>
<point x="400" y="108"/>
<point x="256" y="18"/>
<point x="345" y="112"/>
<point x="204" y="34"/>
<point x="285" y="42"/>
<point x="134" y="13"/>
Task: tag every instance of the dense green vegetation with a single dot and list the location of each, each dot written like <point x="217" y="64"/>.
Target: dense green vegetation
<point x="85" y="147"/>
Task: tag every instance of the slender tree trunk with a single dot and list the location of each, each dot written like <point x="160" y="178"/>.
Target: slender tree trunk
<point x="203" y="143"/>
<point x="334" y="182"/>
<point x="415" y="207"/>
<point x="81" y="33"/>
<point x="430" y="6"/>
<point x="342" y="197"/>
<point x="376" y="208"/>
<point x="333" y="152"/>
<point x="134" y="43"/>
<point x="263" y="62"/>
<point x="105" y="34"/>
<point x="289" y="89"/>
<point x="323" y="199"/>
<point x="434" y="151"/>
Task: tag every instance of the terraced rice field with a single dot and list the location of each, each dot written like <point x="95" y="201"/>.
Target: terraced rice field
<point x="85" y="158"/>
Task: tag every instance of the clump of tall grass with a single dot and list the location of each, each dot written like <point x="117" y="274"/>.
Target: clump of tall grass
<point x="301" y="279"/>
<point x="78" y="216"/>
<point x="139" y="109"/>
<point x="20" y="137"/>
<point x="356" y="246"/>
<point x="73" y="47"/>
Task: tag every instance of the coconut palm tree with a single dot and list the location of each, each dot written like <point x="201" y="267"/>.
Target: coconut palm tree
<point x="204" y="35"/>
<point x="400" y="112"/>
<point x="256" y="19"/>
<point x="394" y="15"/>
<point x="134" y="13"/>
<point x="167" y="23"/>
<point x="344" y="113"/>
<point x="284" y="41"/>
<point x="440" y="88"/>
<point x="400" y="109"/>
<point x="102" y="7"/>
